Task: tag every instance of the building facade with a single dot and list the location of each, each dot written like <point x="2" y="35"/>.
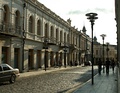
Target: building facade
<point x="110" y="51"/>
<point x="117" y="14"/>
<point x="32" y="37"/>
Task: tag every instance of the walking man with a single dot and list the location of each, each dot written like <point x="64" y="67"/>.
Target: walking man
<point x="99" y="66"/>
<point x="107" y="66"/>
<point x="113" y="65"/>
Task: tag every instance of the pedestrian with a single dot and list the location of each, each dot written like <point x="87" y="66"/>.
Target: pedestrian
<point x="71" y="63"/>
<point x="99" y="66"/>
<point x="76" y="63"/>
<point x="60" y="63"/>
<point x="107" y="66"/>
<point x="113" y="65"/>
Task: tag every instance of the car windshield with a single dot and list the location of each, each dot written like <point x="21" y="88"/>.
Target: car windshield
<point x="10" y="67"/>
<point x="6" y="67"/>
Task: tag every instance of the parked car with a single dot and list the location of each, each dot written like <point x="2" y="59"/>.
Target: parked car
<point x="7" y="73"/>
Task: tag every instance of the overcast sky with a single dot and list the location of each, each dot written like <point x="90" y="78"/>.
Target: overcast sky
<point x="76" y="10"/>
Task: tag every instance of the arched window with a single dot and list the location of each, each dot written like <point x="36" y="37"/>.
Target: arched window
<point x="57" y="35"/>
<point x="17" y="19"/>
<point x="31" y="24"/>
<point x="6" y="15"/>
<point x="65" y="37"/>
<point x="61" y="36"/>
<point x="52" y="31"/>
<point x="38" y="27"/>
<point x="68" y="39"/>
<point x="46" y="30"/>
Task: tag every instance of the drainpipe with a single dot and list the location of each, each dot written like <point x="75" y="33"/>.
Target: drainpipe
<point x="24" y="5"/>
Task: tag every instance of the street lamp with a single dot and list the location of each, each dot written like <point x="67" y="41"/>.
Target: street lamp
<point x="45" y="47"/>
<point x="103" y="37"/>
<point x="92" y="17"/>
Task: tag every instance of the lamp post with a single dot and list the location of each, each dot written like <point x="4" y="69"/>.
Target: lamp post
<point x="45" y="47"/>
<point x="103" y="37"/>
<point x="107" y="49"/>
<point x="65" y="56"/>
<point x="92" y="17"/>
<point x="24" y="36"/>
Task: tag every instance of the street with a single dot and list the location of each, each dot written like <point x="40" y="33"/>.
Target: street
<point x="58" y="81"/>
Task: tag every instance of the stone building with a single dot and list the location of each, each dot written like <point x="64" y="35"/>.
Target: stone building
<point x="110" y="51"/>
<point x="32" y="37"/>
<point x="117" y="14"/>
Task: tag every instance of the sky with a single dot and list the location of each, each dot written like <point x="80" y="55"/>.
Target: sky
<point x="76" y="11"/>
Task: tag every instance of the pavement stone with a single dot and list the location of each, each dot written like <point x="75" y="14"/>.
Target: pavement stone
<point x="102" y="84"/>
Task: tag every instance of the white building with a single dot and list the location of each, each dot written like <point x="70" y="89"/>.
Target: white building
<point x="32" y="36"/>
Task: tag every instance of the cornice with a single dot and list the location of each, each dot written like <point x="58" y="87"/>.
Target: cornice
<point x="47" y="11"/>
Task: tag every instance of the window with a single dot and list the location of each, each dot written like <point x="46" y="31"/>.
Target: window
<point x="0" y="68"/>
<point x="17" y="18"/>
<point x="6" y="14"/>
<point x="52" y="32"/>
<point x="38" y="27"/>
<point x="5" y="67"/>
<point x="46" y="30"/>
<point x="30" y="24"/>
<point x="61" y="36"/>
<point x="96" y="52"/>
<point x="65" y="37"/>
<point x="57" y="34"/>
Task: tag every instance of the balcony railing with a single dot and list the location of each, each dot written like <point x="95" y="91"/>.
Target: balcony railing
<point x="52" y="41"/>
<point x="10" y="30"/>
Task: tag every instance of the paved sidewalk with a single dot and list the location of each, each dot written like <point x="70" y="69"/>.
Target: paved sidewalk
<point x="42" y="71"/>
<point x="102" y="84"/>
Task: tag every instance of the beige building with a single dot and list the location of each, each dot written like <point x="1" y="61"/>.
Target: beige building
<point x="110" y="51"/>
<point x="32" y="37"/>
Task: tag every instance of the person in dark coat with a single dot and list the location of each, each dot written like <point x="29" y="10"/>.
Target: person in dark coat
<point x="107" y="66"/>
<point x="113" y="65"/>
<point x="99" y="66"/>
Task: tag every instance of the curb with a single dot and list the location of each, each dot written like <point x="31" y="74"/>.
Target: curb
<point x="72" y="90"/>
<point x="41" y="71"/>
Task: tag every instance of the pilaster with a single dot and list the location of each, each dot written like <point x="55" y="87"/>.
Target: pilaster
<point x="35" y="59"/>
<point x="26" y="52"/>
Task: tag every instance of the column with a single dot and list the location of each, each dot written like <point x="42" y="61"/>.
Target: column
<point x="54" y="59"/>
<point x="42" y="58"/>
<point x="20" y="61"/>
<point x="48" y="59"/>
<point x="11" y="53"/>
<point x="57" y="58"/>
<point x="26" y="52"/>
<point x="35" y="65"/>
<point x="1" y="13"/>
<point x="0" y="52"/>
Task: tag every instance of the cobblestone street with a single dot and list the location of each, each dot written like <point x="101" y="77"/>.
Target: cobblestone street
<point x="53" y="82"/>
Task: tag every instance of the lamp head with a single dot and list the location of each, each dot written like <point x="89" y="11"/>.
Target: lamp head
<point x="103" y="36"/>
<point x="92" y="16"/>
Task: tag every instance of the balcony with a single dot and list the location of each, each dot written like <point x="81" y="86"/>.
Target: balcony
<point x="10" y="30"/>
<point x="52" y="41"/>
<point x="63" y="45"/>
<point x="73" y="46"/>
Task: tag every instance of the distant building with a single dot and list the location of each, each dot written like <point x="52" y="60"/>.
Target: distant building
<point x="110" y="51"/>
